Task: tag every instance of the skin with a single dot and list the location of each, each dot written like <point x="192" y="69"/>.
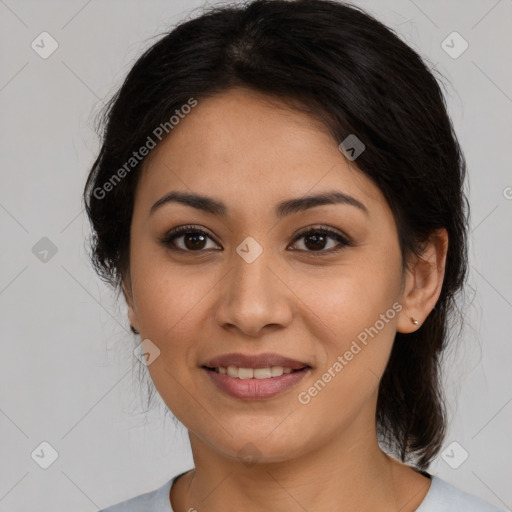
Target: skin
<point x="252" y="152"/>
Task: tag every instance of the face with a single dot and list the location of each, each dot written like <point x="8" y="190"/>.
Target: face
<point x="257" y="278"/>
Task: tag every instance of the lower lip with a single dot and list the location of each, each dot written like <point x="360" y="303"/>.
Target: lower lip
<point x="255" y="389"/>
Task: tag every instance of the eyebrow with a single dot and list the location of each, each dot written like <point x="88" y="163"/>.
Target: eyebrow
<point x="282" y="209"/>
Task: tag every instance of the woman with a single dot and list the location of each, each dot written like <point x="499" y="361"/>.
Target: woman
<point x="279" y="196"/>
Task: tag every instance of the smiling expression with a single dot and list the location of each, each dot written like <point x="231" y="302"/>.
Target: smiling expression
<point x="316" y="272"/>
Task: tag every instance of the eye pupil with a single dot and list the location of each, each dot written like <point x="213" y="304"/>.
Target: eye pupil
<point x="194" y="237"/>
<point x="193" y="240"/>
<point x="316" y="238"/>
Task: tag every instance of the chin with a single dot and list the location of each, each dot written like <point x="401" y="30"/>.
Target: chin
<point x="259" y="446"/>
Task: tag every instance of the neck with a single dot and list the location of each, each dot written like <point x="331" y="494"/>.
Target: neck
<point x="347" y="472"/>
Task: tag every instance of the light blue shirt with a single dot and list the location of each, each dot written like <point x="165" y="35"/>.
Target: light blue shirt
<point x="441" y="497"/>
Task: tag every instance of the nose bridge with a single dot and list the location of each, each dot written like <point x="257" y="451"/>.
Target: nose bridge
<point x="252" y="295"/>
<point x="251" y="278"/>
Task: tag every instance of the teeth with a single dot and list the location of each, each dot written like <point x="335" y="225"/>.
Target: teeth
<point x="253" y="373"/>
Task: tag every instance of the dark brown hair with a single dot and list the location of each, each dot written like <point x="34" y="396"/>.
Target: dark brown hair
<point x="341" y="65"/>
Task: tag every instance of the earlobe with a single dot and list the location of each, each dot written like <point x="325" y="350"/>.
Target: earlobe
<point x="128" y="296"/>
<point x="423" y="283"/>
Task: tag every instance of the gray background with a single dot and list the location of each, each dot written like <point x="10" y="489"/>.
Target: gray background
<point x="66" y="367"/>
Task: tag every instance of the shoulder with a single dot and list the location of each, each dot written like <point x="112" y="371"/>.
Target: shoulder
<point x="444" y="497"/>
<point x="153" y="501"/>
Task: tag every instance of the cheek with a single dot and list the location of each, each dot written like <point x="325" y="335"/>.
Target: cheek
<point x="168" y="296"/>
<point x="358" y="305"/>
<point x="168" y="303"/>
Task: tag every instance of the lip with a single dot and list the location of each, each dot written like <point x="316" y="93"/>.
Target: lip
<point x="256" y="389"/>
<point x="265" y="360"/>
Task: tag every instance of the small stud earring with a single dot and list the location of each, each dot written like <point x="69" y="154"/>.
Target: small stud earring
<point x="415" y="322"/>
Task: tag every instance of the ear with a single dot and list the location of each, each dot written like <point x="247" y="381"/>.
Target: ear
<point x="423" y="282"/>
<point x="126" y="287"/>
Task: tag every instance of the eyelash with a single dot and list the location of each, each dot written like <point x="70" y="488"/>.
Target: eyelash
<point x="168" y="240"/>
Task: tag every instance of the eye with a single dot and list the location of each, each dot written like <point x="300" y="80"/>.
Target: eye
<point x="195" y="240"/>
<point x="315" y="240"/>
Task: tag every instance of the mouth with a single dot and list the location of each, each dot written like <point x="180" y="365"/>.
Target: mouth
<point x="269" y="372"/>
<point x="251" y="384"/>
<point x="260" y="362"/>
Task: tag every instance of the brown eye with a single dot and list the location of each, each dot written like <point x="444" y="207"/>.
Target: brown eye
<point x="194" y="240"/>
<point x="316" y="240"/>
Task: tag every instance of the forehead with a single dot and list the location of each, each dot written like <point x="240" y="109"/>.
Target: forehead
<point x="252" y="150"/>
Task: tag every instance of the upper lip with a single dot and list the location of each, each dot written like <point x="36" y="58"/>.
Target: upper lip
<point x="264" y="360"/>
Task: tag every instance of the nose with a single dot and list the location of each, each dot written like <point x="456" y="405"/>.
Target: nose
<point x="254" y="297"/>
